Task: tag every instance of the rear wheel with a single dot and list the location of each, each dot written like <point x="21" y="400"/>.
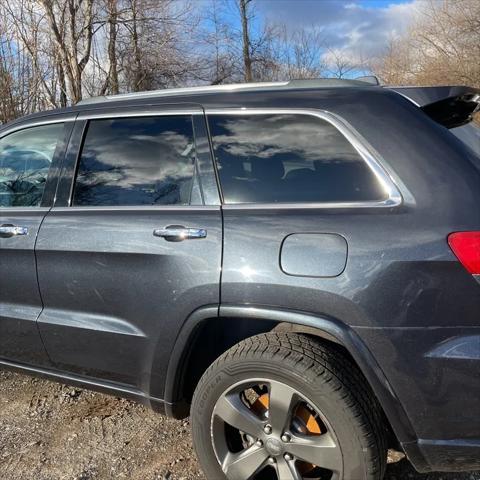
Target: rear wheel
<point x="282" y="406"/>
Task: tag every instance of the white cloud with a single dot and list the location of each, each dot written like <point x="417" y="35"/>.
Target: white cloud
<point x="356" y="30"/>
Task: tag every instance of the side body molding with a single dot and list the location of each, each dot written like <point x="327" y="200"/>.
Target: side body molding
<point x="294" y="321"/>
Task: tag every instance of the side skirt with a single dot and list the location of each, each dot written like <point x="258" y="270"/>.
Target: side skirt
<point x="444" y="455"/>
<point x="109" y="388"/>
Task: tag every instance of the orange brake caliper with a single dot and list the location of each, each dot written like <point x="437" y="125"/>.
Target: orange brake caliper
<point x="260" y="405"/>
<point x="308" y="423"/>
<point x="311" y="425"/>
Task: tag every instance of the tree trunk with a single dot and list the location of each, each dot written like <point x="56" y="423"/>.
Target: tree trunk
<point x="138" y="75"/>
<point x="247" y="60"/>
<point x="112" y="46"/>
<point x="62" y="83"/>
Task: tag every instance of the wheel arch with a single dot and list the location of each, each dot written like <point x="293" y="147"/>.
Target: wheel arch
<point x="208" y="322"/>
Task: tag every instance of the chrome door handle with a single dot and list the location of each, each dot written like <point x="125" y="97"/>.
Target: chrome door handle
<point x="178" y="233"/>
<point x="8" y="230"/>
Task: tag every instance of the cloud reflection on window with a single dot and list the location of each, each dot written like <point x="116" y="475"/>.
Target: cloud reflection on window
<point x="136" y="161"/>
<point x="288" y="158"/>
<point x="25" y="159"/>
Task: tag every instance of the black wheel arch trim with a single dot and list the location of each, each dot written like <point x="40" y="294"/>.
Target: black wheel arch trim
<point x="323" y="326"/>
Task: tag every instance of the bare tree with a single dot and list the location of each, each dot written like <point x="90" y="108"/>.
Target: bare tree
<point x="440" y="47"/>
<point x="71" y="23"/>
<point x="9" y="99"/>
<point x="157" y="43"/>
<point x="54" y="52"/>
<point x="233" y="54"/>
<point x="302" y="53"/>
<point x="112" y="79"/>
<point x="340" y="64"/>
<point x="217" y="43"/>
<point x="246" y="46"/>
<point x="27" y="68"/>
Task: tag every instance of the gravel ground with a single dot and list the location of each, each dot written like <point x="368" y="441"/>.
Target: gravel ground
<point x="50" y="431"/>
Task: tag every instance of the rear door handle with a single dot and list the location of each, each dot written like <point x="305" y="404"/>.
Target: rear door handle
<point x="8" y="230"/>
<point x="178" y="233"/>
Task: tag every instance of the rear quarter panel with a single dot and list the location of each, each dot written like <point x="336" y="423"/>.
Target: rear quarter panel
<point x="402" y="290"/>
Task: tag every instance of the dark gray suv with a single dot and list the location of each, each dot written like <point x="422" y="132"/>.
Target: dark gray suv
<point x="295" y="264"/>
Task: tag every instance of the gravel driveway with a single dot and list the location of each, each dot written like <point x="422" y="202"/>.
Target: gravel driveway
<point x="50" y="432"/>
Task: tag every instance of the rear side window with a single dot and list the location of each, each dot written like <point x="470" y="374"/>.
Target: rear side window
<point x="288" y="158"/>
<point x="25" y="159"/>
<point x="136" y="161"/>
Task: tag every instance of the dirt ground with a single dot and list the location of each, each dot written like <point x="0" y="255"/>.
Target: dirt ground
<point x="50" y="431"/>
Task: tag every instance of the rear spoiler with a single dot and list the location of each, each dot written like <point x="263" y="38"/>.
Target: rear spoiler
<point x="450" y="106"/>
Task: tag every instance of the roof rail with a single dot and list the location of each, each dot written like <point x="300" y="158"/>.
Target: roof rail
<point x="292" y="84"/>
<point x="183" y="91"/>
<point x="371" y="79"/>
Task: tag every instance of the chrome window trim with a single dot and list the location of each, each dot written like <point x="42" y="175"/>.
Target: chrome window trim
<point x="373" y="160"/>
<point x="312" y="205"/>
<point x="5" y="211"/>
<point x="138" y="112"/>
<point x="135" y="208"/>
<point x="7" y="130"/>
<point x="408" y="98"/>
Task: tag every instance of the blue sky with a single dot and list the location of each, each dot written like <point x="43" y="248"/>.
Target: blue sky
<point x="356" y="30"/>
<point x="357" y="24"/>
<point x="362" y="28"/>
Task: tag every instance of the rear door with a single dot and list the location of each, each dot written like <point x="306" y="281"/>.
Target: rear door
<point x="132" y="245"/>
<point x="29" y="155"/>
<point x="299" y="190"/>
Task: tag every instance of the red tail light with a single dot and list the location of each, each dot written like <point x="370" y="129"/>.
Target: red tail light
<point x="466" y="246"/>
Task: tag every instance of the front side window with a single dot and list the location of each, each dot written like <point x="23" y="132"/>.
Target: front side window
<point x="288" y="158"/>
<point x="25" y="159"/>
<point x="136" y="161"/>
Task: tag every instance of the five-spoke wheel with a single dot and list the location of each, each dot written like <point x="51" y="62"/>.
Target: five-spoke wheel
<point x="282" y="407"/>
<point x="266" y="424"/>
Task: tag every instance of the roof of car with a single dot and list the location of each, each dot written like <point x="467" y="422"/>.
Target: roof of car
<point x="218" y="96"/>
<point x="233" y="88"/>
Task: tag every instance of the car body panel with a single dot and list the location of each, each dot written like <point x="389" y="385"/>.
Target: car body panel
<point x="110" y="329"/>
<point x="401" y="281"/>
<point x="20" y="299"/>
<point x="119" y="301"/>
<point x="113" y="291"/>
<point x="328" y="254"/>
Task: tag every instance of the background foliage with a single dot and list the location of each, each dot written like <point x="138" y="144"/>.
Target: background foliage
<point x="53" y="53"/>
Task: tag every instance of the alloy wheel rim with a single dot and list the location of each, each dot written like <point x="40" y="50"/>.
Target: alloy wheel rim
<point x="259" y="430"/>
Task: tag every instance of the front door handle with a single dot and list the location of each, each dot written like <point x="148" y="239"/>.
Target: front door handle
<point x="8" y="230"/>
<point x="178" y="233"/>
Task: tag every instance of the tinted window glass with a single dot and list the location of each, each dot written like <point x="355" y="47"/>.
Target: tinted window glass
<point x="288" y="158"/>
<point x="25" y="159"/>
<point x="136" y="161"/>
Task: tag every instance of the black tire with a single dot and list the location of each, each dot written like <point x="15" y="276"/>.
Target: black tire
<point x="320" y="372"/>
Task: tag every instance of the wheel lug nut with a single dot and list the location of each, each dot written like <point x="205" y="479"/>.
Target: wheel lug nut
<point x="271" y="460"/>
<point x="267" y="429"/>
<point x="259" y="443"/>
<point x="288" y="457"/>
<point x="286" y="438"/>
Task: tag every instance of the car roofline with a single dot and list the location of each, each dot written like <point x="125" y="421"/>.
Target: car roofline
<point x="231" y="88"/>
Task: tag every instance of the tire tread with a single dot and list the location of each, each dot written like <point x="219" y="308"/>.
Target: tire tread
<point x="321" y="361"/>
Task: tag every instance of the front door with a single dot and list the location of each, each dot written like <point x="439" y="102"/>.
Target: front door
<point x="26" y="158"/>
<point x="133" y="247"/>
